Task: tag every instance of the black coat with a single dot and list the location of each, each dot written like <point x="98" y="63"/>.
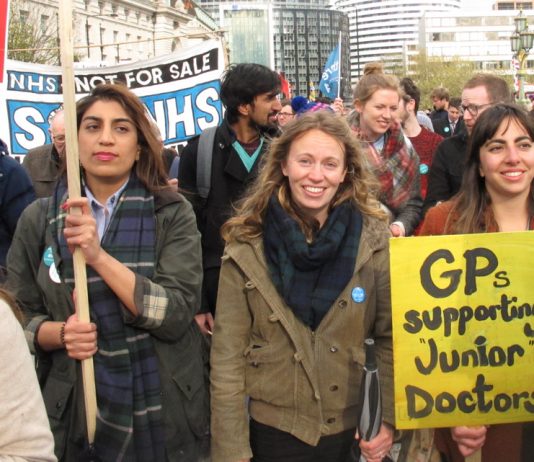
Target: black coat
<point x="442" y="127"/>
<point x="446" y="172"/>
<point x="229" y="180"/>
<point x="16" y="192"/>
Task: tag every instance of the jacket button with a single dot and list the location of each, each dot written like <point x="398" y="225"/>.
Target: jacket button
<point x="330" y="420"/>
<point x="342" y="303"/>
<point x="333" y="349"/>
<point x="333" y="388"/>
<point x="273" y="318"/>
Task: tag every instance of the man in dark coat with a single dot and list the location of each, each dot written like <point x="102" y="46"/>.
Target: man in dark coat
<point x="440" y="101"/>
<point x="445" y="175"/>
<point x="16" y="192"/>
<point x="454" y="123"/>
<point x="249" y="94"/>
<point x="44" y="163"/>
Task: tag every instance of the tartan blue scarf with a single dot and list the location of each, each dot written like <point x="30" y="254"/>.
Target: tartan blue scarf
<point x="310" y="276"/>
<point x="129" y="420"/>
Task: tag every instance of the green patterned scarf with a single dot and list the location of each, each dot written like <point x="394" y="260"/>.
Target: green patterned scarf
<point x="129" y="421"/>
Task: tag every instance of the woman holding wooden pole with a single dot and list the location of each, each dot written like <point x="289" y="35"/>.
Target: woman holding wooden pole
<point x="142" y="250"/>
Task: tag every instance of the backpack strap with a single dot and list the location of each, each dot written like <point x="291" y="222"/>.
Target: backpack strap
<point x="173" y="171"/>
<point x="204" y="157"/>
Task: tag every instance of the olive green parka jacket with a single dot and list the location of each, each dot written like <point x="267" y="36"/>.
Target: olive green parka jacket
<point x="177" y="340"/>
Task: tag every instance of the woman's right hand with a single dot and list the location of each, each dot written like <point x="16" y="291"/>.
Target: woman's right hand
<point x="80" y="338"/>
<point x="469" y="439"/>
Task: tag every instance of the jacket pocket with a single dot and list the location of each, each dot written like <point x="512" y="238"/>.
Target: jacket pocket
<point x="270" y="376"/>
<point x="194" y="396"/>
<point x="57" y="394"/>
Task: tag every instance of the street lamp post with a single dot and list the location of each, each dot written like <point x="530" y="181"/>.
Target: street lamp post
<point x="521" y="41"/>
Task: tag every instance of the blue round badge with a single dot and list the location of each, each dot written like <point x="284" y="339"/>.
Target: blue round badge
<point x="48" y="256"/>
<point x="423" y="169"/>
<point x="358" y="294"/>
<point x="446" y="129"/>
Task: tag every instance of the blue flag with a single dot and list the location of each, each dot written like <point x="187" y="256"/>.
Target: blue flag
<point x="330" y="78"/>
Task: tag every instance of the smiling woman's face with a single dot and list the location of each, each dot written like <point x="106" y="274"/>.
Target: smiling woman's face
<point x="315" y="167"/>
<point x="377" y="113"/>
<point x="507" y="161"/>
<point x="107" y="140"/>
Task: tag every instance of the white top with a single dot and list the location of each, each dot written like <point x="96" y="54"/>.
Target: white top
<point x="24" y="429"/>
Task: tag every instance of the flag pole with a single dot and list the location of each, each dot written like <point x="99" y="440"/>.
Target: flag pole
<point x="339" y="66"/>
<point x="73" y="178"/>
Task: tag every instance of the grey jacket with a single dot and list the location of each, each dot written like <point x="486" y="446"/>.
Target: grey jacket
<point x="300" y="381"/>
<point x="177" y="340"/>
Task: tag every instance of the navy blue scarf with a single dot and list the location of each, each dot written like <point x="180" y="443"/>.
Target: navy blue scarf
<point x="310" y="276"/>
<point x="129" y="422"/>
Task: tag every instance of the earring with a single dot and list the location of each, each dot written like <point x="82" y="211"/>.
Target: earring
<point x="138" y="154"/>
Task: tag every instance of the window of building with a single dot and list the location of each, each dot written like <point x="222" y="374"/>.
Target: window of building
<point x="497" y="21"/>
<point x="469" y="21"/>
<point x="448" y="36"/>
<point x="44" y="23"/>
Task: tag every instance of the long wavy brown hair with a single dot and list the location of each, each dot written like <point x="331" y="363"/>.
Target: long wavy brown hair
<point x="359" y="185"/>
<point x="471" y="211"/>
<point x="149" y="168"/>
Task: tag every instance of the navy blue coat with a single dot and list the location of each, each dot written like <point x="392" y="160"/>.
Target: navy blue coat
<point x="16" y="192"/>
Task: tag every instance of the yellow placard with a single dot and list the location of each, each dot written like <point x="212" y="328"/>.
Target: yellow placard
<point x="463" y="329"/>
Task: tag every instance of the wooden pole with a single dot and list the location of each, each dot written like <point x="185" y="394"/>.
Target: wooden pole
<point x="73" y="175"/>
<point x="475" y="457"/>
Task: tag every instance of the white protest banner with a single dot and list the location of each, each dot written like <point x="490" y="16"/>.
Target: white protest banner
<point x="180" y="92"/>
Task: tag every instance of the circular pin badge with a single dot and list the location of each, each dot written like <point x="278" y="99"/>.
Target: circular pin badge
<point x="358" y="294"/>
<point x="54" y="275"/>
<point x="446" y="129"/>
<point x="48" y="257"/>
<point x="423" y="169"/>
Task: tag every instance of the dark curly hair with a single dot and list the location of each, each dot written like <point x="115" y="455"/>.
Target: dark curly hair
<point x="241" y="83"/>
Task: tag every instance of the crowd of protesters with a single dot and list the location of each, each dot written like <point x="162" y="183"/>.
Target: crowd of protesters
<point x="260" y="277"/>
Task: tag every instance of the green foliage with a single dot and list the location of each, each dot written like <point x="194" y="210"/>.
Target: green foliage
<point x="32" y="34"/>
<point x="430" y="72"/>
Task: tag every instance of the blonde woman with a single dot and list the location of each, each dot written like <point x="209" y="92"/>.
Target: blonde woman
<point x="304" y="280"/>
<point x="389" y="152"/>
